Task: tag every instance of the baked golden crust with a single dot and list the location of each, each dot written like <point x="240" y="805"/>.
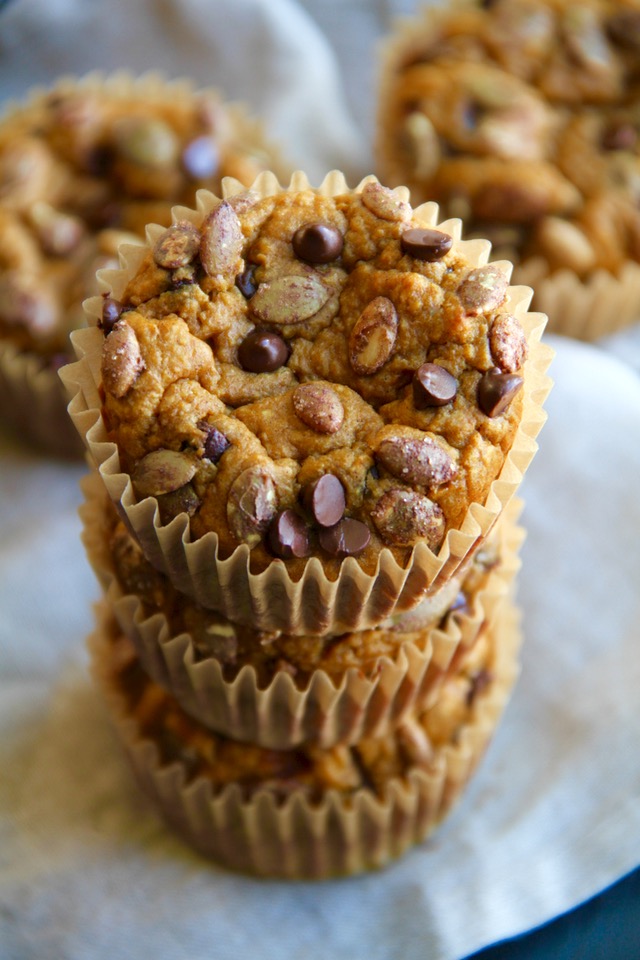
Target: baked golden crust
<point x="391" y="365"/>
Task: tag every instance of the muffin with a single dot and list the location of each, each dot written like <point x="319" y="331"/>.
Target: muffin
<point x="319" y="425"/>
<point x="84" y="166"/>
<point x="307" y="813"/>
<point x="277" y="689"/>
<point x="521" y="116"/>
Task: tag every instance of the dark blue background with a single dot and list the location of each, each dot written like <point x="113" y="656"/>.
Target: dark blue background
<point x="604" y="928"/>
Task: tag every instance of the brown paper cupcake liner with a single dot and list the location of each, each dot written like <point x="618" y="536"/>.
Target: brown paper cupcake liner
<point x="281" y="715"/>
<point x="34" y="405"/>
<point x="586" y="309"/>
<point x="342" y="833"/>
<point x="272" y="600"/>
<point x="32" y="399"/>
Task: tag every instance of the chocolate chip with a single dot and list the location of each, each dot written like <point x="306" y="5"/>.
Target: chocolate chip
<point x="262" y="351"/>
<point x="460" y="604"/>
<point x="479" y="682"/>
<point x="347" y="538"/>
<point x="624" y="29"/>
<point x="201" y="158"/>
<point x="289" y="536"/>
<point x="99" y="159"/>
<point x="425" y="244"/>
<point x="245" y="282"/>
<point x="317" y="243"/>
<point x="215" y="445"/>
<point x="111" y="311"/>
<point x="619" y="136"/>
<point x="325" y="499"/>
<point x="433" y="386"/>
<point x="496" y="390"/>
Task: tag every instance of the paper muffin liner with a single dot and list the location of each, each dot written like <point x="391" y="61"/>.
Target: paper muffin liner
<point x="342" y="833"/>
<point x="33" y="402"/>
<point x="327" y="710"/>
<point x="272" y="599"/>
<point x="584" y="308"/>
<point x="587" y="309"/>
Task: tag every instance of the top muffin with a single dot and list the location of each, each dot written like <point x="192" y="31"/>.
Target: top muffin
<point x="522" y="117"/>
<point x="89" y="164"/>
<point x="312" y="375"/>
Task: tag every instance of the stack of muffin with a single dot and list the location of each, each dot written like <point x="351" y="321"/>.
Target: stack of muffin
<point x="84" y="166"/>
<point x="308" y="411"/>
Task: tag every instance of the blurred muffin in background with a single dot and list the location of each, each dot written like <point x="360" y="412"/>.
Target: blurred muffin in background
<point x="83" y="167"/>
<point x="522" y="117"/>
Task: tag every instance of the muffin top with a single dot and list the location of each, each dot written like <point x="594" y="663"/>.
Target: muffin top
<point x="88" y="165"/>
<point x="312" y="375"/>
<point x="368" y="764"/>
<point x="522" y="117"/>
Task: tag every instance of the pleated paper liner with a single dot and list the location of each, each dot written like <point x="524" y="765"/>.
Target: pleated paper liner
<point x="327" y="709"/>
<point x="585" y="308"/>
<point x="342" y="833"/>
<point x="34" y="405"/>
<point x="588" y="309"/>
<point x="271" y="599"/>
<point x="33" y="402"/>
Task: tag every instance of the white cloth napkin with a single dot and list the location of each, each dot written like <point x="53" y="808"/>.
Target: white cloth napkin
<point x="87" y="872"/>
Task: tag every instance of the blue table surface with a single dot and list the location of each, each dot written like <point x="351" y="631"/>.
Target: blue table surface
<point x="606" y="927"/>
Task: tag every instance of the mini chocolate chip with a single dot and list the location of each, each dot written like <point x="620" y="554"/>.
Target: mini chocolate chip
<point x="325" y="499"/>
<point x="496" y="390"/>
<point x="433" y="386"/>
<point x="624" y="29"/>
<point x="58" y="360"/>
<point x="425" y="244"/>
<point x="99" y="159"/>
<point x="245" y="282"/>
<point x="111" y="312"/>
<point x="460" y="604"/>
<point x="289" y="536"/>
<point x="619" y="136"/>
<point x="480" y="680"/>
<point x="317" y="243"/>
<point x="201" y="158"/>
<point x="215" y="445"/>
<point x="347" y="538"/>
<point x="262" y="351"/>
